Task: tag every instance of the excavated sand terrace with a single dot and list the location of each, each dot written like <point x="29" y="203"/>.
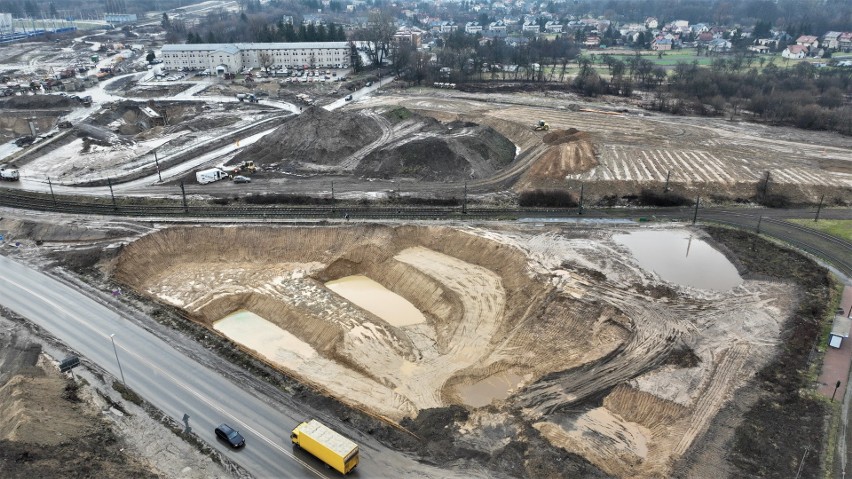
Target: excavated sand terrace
<point x="557" y="316"/>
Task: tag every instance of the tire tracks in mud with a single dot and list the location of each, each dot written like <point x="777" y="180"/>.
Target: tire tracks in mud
<point x="656" y="330"/>
<point x="354" y="159"/>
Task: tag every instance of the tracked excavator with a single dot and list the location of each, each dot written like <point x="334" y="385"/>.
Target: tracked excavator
<point x="541" y="126"/>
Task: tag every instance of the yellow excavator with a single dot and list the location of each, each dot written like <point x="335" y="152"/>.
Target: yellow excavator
<point x="244" y="167"/>
<point x="541" y="126"/>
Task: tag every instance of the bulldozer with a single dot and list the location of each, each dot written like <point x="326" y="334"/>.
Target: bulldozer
<point x="244" y="167"/>
<point x="541" y="126"/>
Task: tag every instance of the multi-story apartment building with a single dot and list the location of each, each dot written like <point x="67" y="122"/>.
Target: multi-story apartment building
<point x="232" y="57"/>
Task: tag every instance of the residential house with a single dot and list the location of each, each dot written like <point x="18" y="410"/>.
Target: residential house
<point x="472" y="28"/>
<point x="718" y="45"/>
<point x="592" y="41"/>
<point x="631" y="28"/>
<point x="553" y="27"/>
<point x="808" y="41"/>
<point x="651" y="22"/>
<point x="530" y="26"/>
<point x="497" y="27"/>
<point x="699" y="28"/>
<point x="661" y="44"/>
<point x="705" y="37"/>
<point x="831" y="40"/>
<point x="412" y="35"/>
<point x="845" y="42"/>
<point x="795" y="51"/>
<point x="447" y="27"/>
<point x="758" y="48"/>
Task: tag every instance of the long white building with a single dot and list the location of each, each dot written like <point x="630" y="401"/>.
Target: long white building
<point x="232" y="57"/>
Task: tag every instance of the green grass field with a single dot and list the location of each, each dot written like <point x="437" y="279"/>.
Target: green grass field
<point x="840" y="228"/>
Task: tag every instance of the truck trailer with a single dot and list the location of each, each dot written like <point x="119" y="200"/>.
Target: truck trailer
<point x="209" y="176"/>
<point x="8" y="174"/>
<point x="340" y="453"/>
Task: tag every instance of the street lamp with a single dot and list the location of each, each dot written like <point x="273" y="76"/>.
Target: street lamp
<point x="112" y="338"/>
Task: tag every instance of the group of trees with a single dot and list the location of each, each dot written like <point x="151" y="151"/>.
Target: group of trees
<point x="802" y="96"/>
<point x="224" y="27"/>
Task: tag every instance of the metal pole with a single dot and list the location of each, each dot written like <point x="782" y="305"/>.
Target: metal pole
<point x="668" y="175"/>
<point x="157" y="161"/>
<point x="332" y="192"/>
<point x="759" y="220"/>
<point x="109" y="182"/>
<point x="464" y="199"/>
<point x="695" y="215"/>
<point x="51" y="191"/>
<point x="819" y="207"/>
<point x="112" y="338"/>
<point x="183" y="193"/>
<point x="580" y="211"/>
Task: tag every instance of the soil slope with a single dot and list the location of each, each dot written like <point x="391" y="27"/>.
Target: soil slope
<point x="568" y="152"/>
<point x="437" y="152"/>
<point x="316" y="137"/>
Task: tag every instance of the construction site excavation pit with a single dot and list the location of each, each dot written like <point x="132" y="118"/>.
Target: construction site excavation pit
<point x="560" y="329"/>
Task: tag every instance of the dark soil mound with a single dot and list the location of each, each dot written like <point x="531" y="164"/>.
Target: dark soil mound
<point x="316" y="136"/>
<point x="558" y="137"/>
<point x="458" y="150"/>
<point x="38" y="101"/>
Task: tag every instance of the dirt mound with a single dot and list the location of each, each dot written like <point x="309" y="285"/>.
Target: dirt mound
<point x="38" y="102"/>
<point x="317" y="136"/>
<point x="569" y="152"/>
<point x="438" y="152"/>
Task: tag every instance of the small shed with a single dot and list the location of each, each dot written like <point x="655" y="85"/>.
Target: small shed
<point x="839" y="331"/>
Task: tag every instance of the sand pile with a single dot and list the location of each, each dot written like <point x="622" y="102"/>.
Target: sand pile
<point x="439" y="151"/>
<point x="317" y="137"/>
<point x="569" y="152"/>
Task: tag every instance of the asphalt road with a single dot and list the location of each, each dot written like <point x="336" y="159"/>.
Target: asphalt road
<point x="178" y="385"/>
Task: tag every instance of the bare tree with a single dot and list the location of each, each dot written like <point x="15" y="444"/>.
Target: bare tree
<point x="265" y="59"/>
<point x="379" y="36"/>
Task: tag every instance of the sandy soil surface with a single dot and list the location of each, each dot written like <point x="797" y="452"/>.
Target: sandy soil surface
<point x="569" y="313"/>
<point x="636" y="147"/>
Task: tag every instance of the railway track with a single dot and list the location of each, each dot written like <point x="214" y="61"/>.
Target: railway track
<point x="835" y="251"/>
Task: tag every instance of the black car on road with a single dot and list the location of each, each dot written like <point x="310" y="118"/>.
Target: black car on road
<point x="226" y="433"/>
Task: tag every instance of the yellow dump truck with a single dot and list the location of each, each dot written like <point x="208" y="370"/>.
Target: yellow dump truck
<point x="330" y="447"/>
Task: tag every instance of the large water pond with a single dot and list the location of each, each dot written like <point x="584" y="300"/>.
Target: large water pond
<point x="375" y="298"/>
<point x="679" y="257"/>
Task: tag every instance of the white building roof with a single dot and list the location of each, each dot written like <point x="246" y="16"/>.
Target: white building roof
<point x="234" y="48"/>
<point x="331" y="439"/>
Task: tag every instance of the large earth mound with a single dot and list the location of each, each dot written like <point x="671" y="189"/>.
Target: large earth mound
<point x="568" y="152"/>
<point x="440" y="151"/>
<point x="317" y="137"/>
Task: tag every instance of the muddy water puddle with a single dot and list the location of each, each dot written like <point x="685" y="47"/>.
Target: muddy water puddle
<point x="679" y="257"/>
<point x="375" y="298"/>
<point x="266" y="338"/>
<point x="494" y="387"/>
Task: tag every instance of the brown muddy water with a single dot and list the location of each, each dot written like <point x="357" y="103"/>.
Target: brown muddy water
<point x="677" y="256"/>
<point x="375" y="298"/>
<point x="494" y="387"/>
<point x="269" y="340"/>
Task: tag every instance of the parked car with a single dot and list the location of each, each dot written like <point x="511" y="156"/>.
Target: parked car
<point x="226" y="433"/>
<point x="242" y="179"/>
<point x="348" y="98"/>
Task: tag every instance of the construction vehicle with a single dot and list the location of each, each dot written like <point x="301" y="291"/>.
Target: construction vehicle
<point x="245" y="166"/>
<point x="247" y="96"/>
<point x="541" y="126"/>
<point x="9" y="174"/>
<point x="340" y="453"/>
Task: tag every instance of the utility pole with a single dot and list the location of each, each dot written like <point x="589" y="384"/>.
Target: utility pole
<point x="580" y="211"/>
<point x="819" y="207"/>
<point x="112" y="338"/>
<point x="183" y="193"/>
<point x="759" y="220"/>
<point x="766" y="185"/>
<point x="695" y="215"/>
<point x="114" y="206"/>
<point x="666" y="187"/>
<point x="332" y="192"/>
<point x="51" y="191"/>
<point x="464" y="199"/>
<point x="157" y="161"/>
